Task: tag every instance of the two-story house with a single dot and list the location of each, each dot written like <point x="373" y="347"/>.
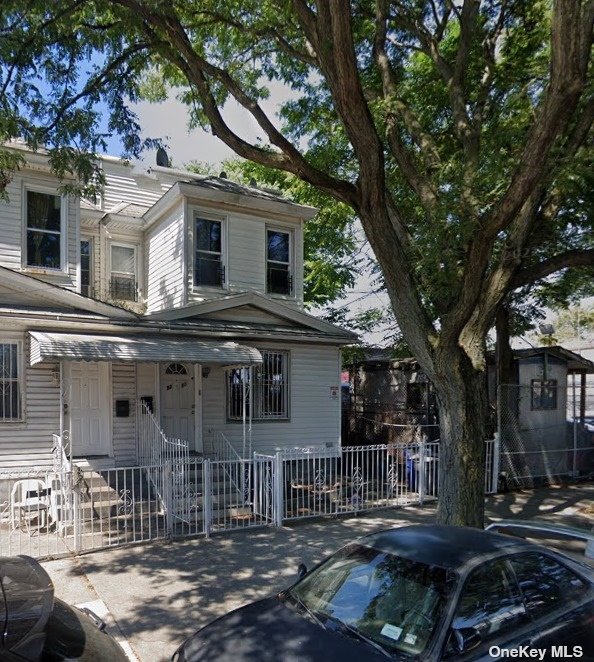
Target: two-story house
<point x="178" y="291"/>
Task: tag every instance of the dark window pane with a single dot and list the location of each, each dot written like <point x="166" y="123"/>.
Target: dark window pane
<point x="544" y="394"/>
<point x="278" y="246"/>
<point x="43" y="211"/>
<point x="43" y="250"/>
<point x="123" y="288"/>
<point x="208" y="270"/>
<point x="10" y="398"/>
<point x="490" y="602"/>
<point x="208" y="235"/>
<point x="544" y="582"/>
<point x="279" y="279"/>
<point x="85" y="268"/>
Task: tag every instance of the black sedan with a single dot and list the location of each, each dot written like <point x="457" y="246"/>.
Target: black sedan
<point x="37" y="627"/>
<point x="417" y="593"/>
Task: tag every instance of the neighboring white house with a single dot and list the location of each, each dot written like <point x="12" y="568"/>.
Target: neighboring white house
<point x="178" y="290"/>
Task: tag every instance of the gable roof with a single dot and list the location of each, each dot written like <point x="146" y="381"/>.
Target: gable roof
<point x="33" y="290"/>
<point x="258" y="301"/>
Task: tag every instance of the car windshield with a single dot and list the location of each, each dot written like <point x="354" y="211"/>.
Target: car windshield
<point x="390" y="600"/>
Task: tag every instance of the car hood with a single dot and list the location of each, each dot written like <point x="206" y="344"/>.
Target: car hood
<point x="270" y="630"/>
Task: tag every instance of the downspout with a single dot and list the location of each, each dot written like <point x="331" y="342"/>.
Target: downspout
<point x="250" y="377"/>
<point x="244" y="407"/>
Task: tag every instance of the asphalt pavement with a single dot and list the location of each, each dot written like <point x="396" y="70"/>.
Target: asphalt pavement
<point x="154" y="595"/>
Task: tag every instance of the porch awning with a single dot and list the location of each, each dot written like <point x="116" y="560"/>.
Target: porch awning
<point x="83" y="347"/>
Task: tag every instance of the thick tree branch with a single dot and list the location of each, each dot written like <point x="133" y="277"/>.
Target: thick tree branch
<point x="567" y="260"/>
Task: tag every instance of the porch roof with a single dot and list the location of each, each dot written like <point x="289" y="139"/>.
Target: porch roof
<point x="155" y="347"/>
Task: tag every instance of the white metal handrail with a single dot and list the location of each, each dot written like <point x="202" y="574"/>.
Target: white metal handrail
<point x="156" y="450"/>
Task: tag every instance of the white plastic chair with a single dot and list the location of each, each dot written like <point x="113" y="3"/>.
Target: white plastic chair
<point x="29" y="498"/>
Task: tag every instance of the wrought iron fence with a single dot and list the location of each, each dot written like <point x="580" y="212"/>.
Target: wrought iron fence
<point x="57" y="512"/>
<point x="358" y="478"/>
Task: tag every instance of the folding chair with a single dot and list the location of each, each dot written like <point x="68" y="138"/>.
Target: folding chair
<point x="29" y="498"/>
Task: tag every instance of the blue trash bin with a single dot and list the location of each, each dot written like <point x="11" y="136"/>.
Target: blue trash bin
<point x="412" y="462"/>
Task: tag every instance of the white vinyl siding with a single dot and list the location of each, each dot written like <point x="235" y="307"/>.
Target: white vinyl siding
<point x="245" y="261"/>
<point x="123" y="377"/>
<point x="122" y="186"/>
<point x="314" y="408"/>
<point x="164" y="258"/>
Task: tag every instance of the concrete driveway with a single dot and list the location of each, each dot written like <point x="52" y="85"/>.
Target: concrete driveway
<point x="157" y="594"/>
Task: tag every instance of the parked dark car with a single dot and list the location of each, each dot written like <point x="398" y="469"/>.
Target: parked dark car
<point x="416" y="593"/>
<point x="36" y="626"/>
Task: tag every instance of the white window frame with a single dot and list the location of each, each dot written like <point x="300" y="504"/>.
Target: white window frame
<point x="255" y="392"/>
<point x="90" y="241"/>
<point x="198" y="214"/>
<point x="291" y="264"/>
<point x="46" y="190"/>
<point x="21" y="377"/>
<point x="136" y="249"/>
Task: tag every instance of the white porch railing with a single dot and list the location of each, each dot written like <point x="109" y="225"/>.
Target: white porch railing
<point x="156" y="450"/>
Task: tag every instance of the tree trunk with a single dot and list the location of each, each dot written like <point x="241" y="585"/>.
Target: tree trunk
<point x="463" y="408"/>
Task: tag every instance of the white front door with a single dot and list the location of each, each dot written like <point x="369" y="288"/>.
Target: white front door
<point x="89" y="408"/>
<point x="177" y="401"/>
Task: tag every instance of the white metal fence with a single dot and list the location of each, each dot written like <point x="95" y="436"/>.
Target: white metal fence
<point x="63" y="510"/>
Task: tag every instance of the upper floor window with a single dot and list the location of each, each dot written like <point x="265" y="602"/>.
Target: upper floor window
<point x="44" y="230"/>
<point x="86" y="284"/>
<point x="10" y="382"/>
<point x="123" y="284"/>
<point x="279" y="279"/>
<point x="209" y="268"/>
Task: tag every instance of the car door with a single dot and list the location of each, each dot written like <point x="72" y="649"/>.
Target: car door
<point x="489" y="610"/>
<point x="560" y="603"/>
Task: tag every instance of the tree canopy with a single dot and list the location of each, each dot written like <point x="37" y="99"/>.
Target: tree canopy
<point x="458" y="131"/>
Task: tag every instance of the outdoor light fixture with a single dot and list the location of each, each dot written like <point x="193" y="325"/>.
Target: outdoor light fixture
<point x="205" y="371"/>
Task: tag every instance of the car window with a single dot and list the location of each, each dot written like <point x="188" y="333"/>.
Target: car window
<point x="490" y="602"/>
<point x="544" y="582"/>
<point x="394" y="601"/>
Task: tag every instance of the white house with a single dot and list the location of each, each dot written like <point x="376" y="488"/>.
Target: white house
<point x="177" y="290"/>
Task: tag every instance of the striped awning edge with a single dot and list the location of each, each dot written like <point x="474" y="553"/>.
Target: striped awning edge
<point x="84" y="347"/>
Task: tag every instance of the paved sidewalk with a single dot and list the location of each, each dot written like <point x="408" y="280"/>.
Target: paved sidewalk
<point x="159" y="593"/>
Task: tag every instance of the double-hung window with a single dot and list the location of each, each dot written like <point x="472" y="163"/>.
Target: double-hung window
<point x="268" y="394"/>
<point x="209" y="268"/>
<point x="123" y="277"/>
<point x="11" y="408"/>
<point x="44" y="230"/>
<point x="279" y="279"/>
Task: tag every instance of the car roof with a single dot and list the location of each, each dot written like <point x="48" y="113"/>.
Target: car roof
<point x="446" y="546"/>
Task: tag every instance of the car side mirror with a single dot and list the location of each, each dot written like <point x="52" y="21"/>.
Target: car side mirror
<point x="465" y="639"/>
<point x="301" y="570"/>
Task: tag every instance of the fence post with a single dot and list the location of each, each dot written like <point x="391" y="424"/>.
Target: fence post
<point x="422" y="471"/>
<point x="496" y="462"/>
<point x="207" y="492"/>
<point x="168" y="496"/>
<point x="76" y="517"/>
<point x="277" y="490"/>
